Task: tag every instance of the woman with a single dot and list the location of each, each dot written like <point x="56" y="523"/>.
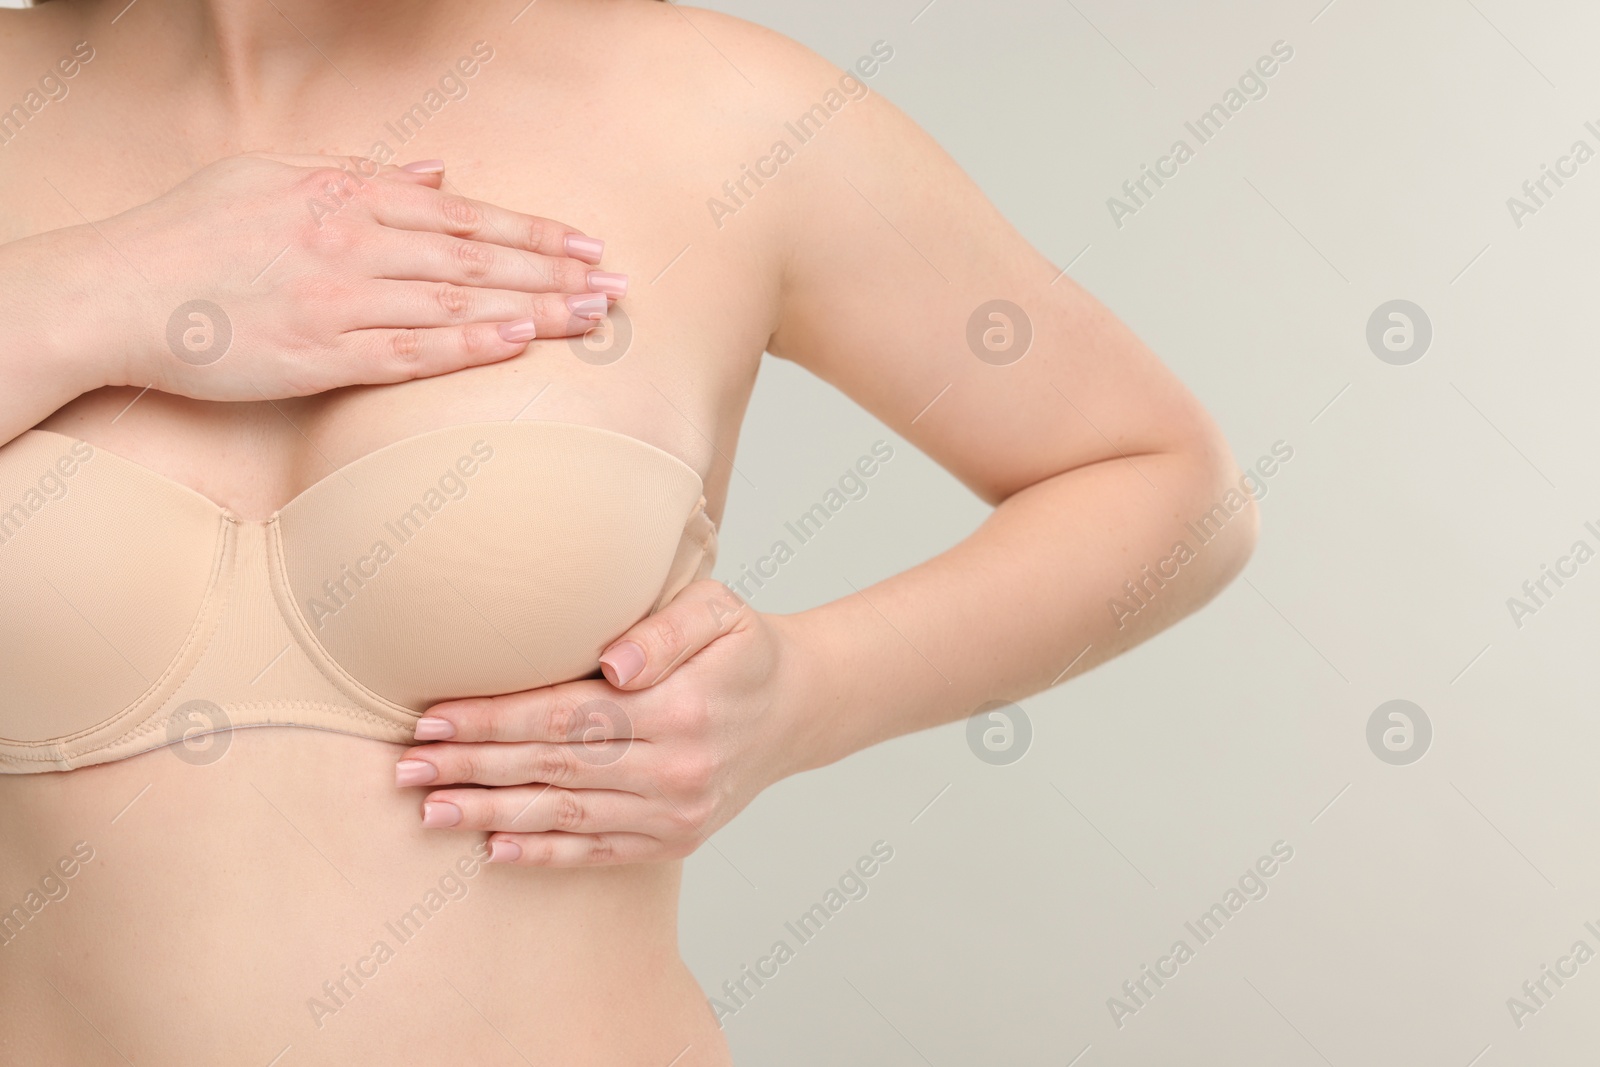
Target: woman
<point x="316" y="439"/>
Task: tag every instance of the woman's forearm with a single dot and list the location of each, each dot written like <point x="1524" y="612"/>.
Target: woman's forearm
<point x="1039" y="587"/>
<point x="58" y="334"/>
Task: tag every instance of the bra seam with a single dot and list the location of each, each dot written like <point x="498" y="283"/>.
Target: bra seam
<point x="326" y="665"/>
<point x="150" y="726"/>
<point x="70" y="745"/>
<point x="226" y="557"/>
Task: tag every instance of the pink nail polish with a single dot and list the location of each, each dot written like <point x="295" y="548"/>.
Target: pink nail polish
<point x="425" y="166"/>
<point x="587" y="249"/>
<point x="432" y="728"/>
<point x="588" y="305"/>
<point x="409" y="772"/>
<point x="613" y="285"/>
<point x="517" y="332"/>
<point x="504" y="852"/>
<point x="626" y="661"/>
<point x="440" y="815"/>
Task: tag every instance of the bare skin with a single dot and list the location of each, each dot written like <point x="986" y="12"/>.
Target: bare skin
<point x="222" y="896"/>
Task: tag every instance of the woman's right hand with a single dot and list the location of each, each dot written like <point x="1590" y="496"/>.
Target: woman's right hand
<point x="263" y="277"/>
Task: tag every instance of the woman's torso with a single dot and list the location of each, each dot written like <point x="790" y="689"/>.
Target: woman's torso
<point x="284" y="896"/>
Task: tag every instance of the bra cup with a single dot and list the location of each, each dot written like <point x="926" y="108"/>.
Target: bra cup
<point x="485" y="559"/>
<point x="473" y="560"/>
<point x="104" y="569"/>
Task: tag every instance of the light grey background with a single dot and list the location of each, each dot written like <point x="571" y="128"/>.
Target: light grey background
<point x="1420" y="497"/>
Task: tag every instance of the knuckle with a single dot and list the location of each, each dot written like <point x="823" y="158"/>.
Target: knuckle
<point x="691" y="775"/>
<point x="364" y="166"/>
<point x="405" y="346"/>
<point x="459" y="214"/>
<point x="551" y="765"/>
<point x="324" y="233"/>
<point x="567" y="275"/>
<point x="567" y="811"/>
<point x="479" y="718"/>
<point x="477" y="344"/>
<point x="461" y="763"/>
<point x="473" y="259"/>
<point x="668" y="632"/>
<point x="537" y="232"/>
<point x="454" y="300"/>
<point x="316" y="180"/>
<point x="602" y="849"/>
<point x="563" y="718"/>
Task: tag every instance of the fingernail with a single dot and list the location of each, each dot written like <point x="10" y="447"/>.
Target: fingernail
<point x="610" y="284"/>
<point x="516" y="333"/>
<point x="625" y="660"/>
<point x="432" y="728"/>
<point x="414" y="772"/>
<point x="587" y="249"/>
<point x="504" y="852"/>
<point x="425" y="166"/>
<point x="588" y="306"/>
<point x="438" y="815"/>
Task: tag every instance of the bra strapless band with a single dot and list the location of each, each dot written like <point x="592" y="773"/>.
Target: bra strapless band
<point x="474" y="560"/>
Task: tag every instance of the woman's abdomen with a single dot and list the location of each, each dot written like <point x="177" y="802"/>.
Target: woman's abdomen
<point x="275" y="900"/>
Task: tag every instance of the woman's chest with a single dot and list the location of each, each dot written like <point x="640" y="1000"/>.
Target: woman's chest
<point x="672" y="366"/>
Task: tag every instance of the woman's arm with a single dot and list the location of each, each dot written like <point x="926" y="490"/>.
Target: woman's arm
<point x="1094" y="453"/>
<point x="1095" y="456"/>
<point x="263" y="277"/>
<point x="57" y="336"/>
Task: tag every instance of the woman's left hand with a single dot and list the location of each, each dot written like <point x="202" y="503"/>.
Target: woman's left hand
<point x="690" y="722"/>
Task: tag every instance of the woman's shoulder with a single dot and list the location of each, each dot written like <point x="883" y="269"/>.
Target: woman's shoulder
<point x="695" y="57"/>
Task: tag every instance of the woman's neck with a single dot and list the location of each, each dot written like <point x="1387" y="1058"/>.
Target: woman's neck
<point x="261" y="55"/>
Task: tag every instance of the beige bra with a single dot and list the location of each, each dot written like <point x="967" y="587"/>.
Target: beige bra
<point x="475" y="560"/>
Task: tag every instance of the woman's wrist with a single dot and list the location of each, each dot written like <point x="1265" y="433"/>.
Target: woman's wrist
<point x="61" y="331"/>
<point x="821" y="714"/>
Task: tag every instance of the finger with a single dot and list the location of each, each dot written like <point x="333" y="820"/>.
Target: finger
<point x="385" y="356"/>
<point x="574" y="711"/>
<point x="423" y="172"/>
<point x="413" y="305"/>
<point x="653" y="647"/>
<point x="557" y="849"/>
<point x="597" y="765"/>
<point x="428" y="211"/>
<point x="541" y="808"/>
<point x="409" y="256"/>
